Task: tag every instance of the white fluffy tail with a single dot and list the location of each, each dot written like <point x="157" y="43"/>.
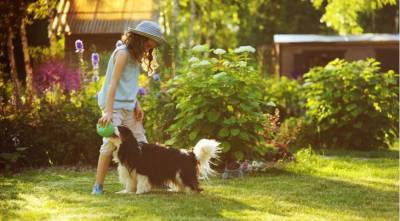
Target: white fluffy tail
<point x="205" y="150"/>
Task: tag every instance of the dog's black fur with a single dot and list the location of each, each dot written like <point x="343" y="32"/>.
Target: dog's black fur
<point x="159" y="164"/>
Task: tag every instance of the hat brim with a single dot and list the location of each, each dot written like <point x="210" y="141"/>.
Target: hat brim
<point x="153" y="37"/>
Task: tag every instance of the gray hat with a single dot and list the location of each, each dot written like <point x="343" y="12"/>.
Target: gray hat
<point x="149" y="29"/>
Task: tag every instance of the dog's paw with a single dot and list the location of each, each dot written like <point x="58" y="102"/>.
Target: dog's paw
<point x="141" y="192"/>
<point x="123" y="192"/>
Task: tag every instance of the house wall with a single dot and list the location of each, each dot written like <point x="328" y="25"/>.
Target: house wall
<point x="351" y="51"/>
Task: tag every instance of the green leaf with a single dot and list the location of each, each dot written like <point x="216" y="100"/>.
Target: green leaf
<point x="238" y="155"/>
<point x="243" y="135"/>
<point x="213" y="116"/>
<point x="235" y="132"/>
<point x="226" y="146"/>
<point x="224" y="132"/>
<point x="193" y="135"/>
<point x="230" y="121"/>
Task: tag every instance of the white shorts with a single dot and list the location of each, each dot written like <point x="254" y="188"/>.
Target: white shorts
<point x="123" y="117"/>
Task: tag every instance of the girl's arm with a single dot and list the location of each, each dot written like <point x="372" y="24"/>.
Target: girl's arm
<point x="121" y="59"/>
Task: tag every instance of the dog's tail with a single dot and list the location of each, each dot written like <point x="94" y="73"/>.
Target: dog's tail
<point x="205" y="150"/>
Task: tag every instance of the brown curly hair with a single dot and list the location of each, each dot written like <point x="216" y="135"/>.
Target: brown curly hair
<point x="136" y="47"/>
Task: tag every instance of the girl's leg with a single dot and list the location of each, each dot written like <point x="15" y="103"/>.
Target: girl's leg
<point x="105" y="156"/>
<point x="102" y="167"/>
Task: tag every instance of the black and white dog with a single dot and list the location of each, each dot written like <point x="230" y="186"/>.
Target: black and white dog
<point x="142" y="165"/>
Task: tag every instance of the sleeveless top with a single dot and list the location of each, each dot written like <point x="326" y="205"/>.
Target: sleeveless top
<point x="127" y="88"/>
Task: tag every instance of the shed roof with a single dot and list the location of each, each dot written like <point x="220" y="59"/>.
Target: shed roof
<point x="101" y="16"/>
<point x="306" y="38"/>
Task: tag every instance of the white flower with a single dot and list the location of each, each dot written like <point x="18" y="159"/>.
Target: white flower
<point x="219" y="51"/>
<point x="194" y="59"/>
<point x="219" y="75"/>
<point x="204" y="63"/>
<point x="200" y="48"/>
<point x="201" y="63"/>
<point x="214" y="60"/>
<point x="226" y="63"/>
<point x="245" y="49"/>
<point x="242" y="64"/>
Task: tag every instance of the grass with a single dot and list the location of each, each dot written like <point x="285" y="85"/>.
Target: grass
<point x="338" y="185"/>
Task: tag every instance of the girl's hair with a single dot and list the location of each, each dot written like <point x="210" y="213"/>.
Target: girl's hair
<point x="135" y="44"/>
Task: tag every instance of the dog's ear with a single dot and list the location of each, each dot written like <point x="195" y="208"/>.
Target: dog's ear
<point x="124" y="133"/>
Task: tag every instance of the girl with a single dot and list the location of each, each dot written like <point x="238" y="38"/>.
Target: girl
<point x="117" y="97"/>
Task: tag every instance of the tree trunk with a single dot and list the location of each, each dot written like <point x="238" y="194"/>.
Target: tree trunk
<point x="192" y="18"/>
<point x="27" y="62"/>
<point x="13" y="68"/>
<point x="175" y="28"/>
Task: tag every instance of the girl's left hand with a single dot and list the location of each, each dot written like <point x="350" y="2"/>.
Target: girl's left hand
<point x="138" y="112"/>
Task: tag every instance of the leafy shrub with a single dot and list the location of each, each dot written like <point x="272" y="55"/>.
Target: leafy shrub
<point x="219" y="98"/>
<point x="285" y="94"/>
<point x="352" y="104"/>
<point x="57" y="129"/>
<point x="160" y="110"/>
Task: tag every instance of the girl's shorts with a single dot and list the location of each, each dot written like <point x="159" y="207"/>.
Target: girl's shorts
<point x="123" y="117"/>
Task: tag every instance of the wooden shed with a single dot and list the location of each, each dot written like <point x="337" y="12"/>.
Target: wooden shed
<point x="296" y="54"/>
<point x="99" y="23"/>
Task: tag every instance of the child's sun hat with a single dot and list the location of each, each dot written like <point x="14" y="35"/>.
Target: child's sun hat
<point x="149" y="29"/>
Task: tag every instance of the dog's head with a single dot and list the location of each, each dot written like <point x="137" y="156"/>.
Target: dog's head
<point x="122" y="134"/>
<point x="128" y="151"/>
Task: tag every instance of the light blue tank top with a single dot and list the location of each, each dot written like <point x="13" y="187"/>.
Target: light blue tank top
<point x="128" y="86"/>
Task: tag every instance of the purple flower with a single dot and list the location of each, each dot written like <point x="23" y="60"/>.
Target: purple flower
<point x="119" y="43"/>
<point x="95" y="60"/>
<point x="156" y="77"/>
<point x="53" y="72"/>
<point x="95" y="78"/>
<point x="79" y="46"/>
<point x="142" y="91"/>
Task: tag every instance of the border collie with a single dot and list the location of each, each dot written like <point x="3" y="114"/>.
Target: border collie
<point x="142" y="165"/>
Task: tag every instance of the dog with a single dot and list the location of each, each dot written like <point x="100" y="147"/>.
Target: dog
<point x="142" y="165"/>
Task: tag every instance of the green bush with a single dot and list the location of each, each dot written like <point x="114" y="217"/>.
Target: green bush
<point x="219" y="98"/>
<point x="285" y="94"/>
<point x="56" y="129"/>
<point x="160" y="111"/>
<point x="352" y="104"/>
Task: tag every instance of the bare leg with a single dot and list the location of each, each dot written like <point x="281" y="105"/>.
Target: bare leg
<point x="102" y="168"/>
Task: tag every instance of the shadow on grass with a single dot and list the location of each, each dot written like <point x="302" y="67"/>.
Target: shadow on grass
<point x="72" y="191"/>
<point x="276" y="192"/>
<point x="320" y="194"/>
<point x="392" y="153"/>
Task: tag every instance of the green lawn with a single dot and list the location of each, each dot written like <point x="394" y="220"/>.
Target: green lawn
<point x="337" y="185"/>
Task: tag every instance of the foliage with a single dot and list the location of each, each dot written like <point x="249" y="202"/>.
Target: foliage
<point x="159" y="109"/>
<point x="261" y="19"/>
<point x="343" y="15"/>
<point x="352" y="104"/>
<point x="286" y="95"/>
<point x="280" y="135"/>
<point x="55" y="72"/>
<point x="56" y="129"/>
<point x="41" y="54"/>
<point x="219" y="98"/>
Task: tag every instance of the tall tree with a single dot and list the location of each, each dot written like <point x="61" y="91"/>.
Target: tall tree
<point x="344" y="15"/>
<point x="11" y="16"/>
